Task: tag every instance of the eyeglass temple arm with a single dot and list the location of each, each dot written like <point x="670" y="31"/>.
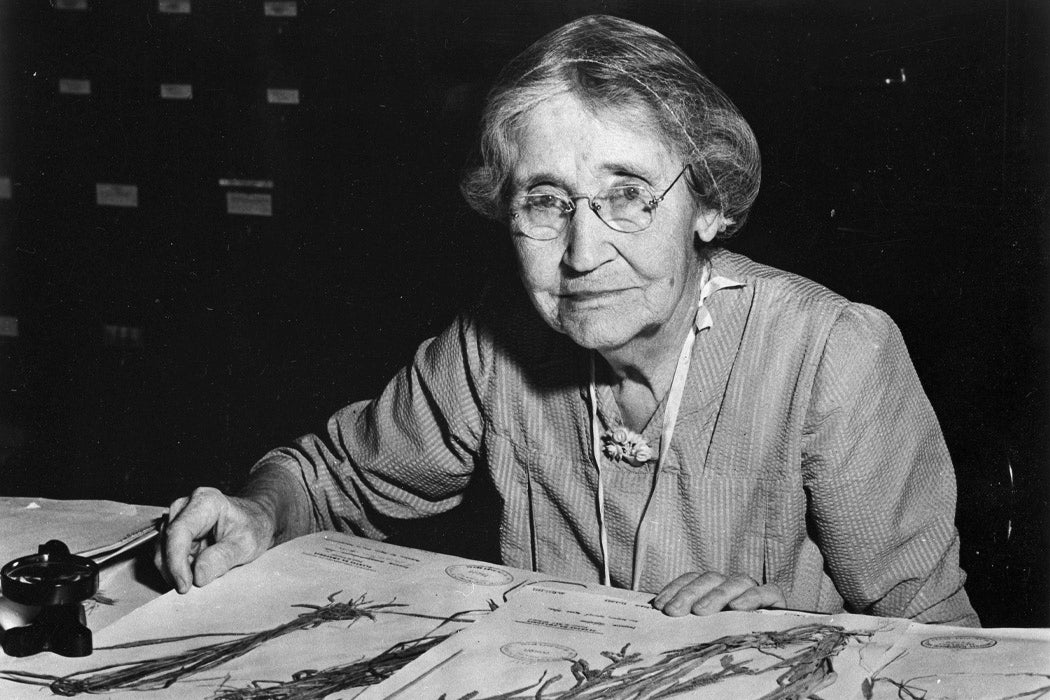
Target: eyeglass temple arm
<point x="657" y="200"/>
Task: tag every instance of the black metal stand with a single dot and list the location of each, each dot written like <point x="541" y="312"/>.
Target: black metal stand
<point x="57" y="582"/>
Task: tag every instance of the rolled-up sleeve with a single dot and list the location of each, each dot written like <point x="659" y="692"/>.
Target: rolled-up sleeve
<point x="879" y="478"/>
<point x="409" y="453"/>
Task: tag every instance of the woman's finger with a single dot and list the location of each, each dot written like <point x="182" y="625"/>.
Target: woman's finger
<point x="682" y="602"/>
<point x="716" y="598"/>
<point x="194" y="522"/>
<point x="158" y="549"/>
<point x="216" y="560"/>
<point x="671" y="590"/>
<point x="759" y="597"/>
<point x="176" y="507"/>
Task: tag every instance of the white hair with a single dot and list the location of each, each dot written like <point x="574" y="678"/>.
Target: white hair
<point x="612" y="63"/>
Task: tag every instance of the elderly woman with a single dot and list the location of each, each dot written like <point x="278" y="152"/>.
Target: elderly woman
<point x="653" y="411"/>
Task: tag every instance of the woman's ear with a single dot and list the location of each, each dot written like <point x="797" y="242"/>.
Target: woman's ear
<point x="709" y="223"/>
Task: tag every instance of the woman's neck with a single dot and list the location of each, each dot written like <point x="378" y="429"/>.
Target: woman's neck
<point x="642" y="370"/>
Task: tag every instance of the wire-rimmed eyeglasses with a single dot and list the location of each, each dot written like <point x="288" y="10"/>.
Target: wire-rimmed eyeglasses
<point x="543" y="216"/>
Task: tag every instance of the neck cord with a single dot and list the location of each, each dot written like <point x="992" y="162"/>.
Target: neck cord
<point x="670" y="418"/>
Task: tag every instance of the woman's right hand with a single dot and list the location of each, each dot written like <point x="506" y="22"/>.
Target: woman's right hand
<point x="209" y="533"/>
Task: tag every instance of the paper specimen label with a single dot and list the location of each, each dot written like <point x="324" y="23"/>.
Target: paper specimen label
<point x="478" y="574"/>
<point x="282" y="96"/>
<point x="74" y="86"/>
<point x="281" y="9"/>
<point x="5" y="188"/>
<point x="249" y="204"/>
<point x="176" y="91"/>
<point x="110" y="195"/>
<point x="174" y="7"/>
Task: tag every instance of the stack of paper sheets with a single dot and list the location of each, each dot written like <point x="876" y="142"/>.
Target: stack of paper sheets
<point x="333" y="615"/>
<point x="549" y="643"/>
<point x="96" y="529"/>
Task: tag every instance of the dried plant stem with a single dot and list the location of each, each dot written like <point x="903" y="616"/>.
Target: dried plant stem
<point x="163" y="671"/>
<point x="313" y="685"/>
<point x="804" y="669"/>
<point x="309" y="684"/>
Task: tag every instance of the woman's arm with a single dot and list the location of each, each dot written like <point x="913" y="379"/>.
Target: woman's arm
<point x="409" y="453"/>
<point x="879" y="478"/>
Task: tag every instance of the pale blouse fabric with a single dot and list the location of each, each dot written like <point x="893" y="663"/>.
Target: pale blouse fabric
<point x="805" y="453"/>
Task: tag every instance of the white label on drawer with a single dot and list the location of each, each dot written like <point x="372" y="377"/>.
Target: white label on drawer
<point x="174" y="7"/>
<point x="250" y="204"/>
<point x="241" y="182"/>
<point x="110" y="195"/>
<point x="282" y="96"/>
<point x="74" y="86"/>
<point x="8" y="327"/>
<point x="114" y="335"/>
<point x="5" y="188"/>
<point x="280" y="9"/>
<point x="176" y="91"/>
<point x="70" y="4"/>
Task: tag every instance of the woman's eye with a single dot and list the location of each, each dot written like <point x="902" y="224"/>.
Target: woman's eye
<point x="544" y="201"/>
<point x="627" y="194"/>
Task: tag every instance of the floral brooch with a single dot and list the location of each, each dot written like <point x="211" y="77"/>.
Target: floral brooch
<point x="624" y="445"/>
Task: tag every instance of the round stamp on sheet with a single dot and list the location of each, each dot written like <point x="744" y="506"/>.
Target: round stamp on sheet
<point x="960" y="642"/>
<point x="479" y="575"/>
<point x="538" y="651"/>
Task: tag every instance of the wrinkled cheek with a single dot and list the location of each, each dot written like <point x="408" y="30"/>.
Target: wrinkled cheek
<point x="537" y="278"/>
<point x="534" y="261"/>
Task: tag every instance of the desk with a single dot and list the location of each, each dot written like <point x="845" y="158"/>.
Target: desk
<point x="333" y="614"/>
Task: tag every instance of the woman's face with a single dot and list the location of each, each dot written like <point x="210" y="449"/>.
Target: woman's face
<point x="602" y="288"/>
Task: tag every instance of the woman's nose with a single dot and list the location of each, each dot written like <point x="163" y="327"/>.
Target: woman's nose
<point x="587" y="243"/>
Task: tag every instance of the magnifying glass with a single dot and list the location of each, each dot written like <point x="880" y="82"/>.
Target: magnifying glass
<point x="58" y="583"/>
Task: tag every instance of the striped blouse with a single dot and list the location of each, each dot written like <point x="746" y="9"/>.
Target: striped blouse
<point x="805" y="453"/>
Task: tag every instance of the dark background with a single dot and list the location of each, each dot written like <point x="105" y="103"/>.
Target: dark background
<point x="169" y="344"/>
